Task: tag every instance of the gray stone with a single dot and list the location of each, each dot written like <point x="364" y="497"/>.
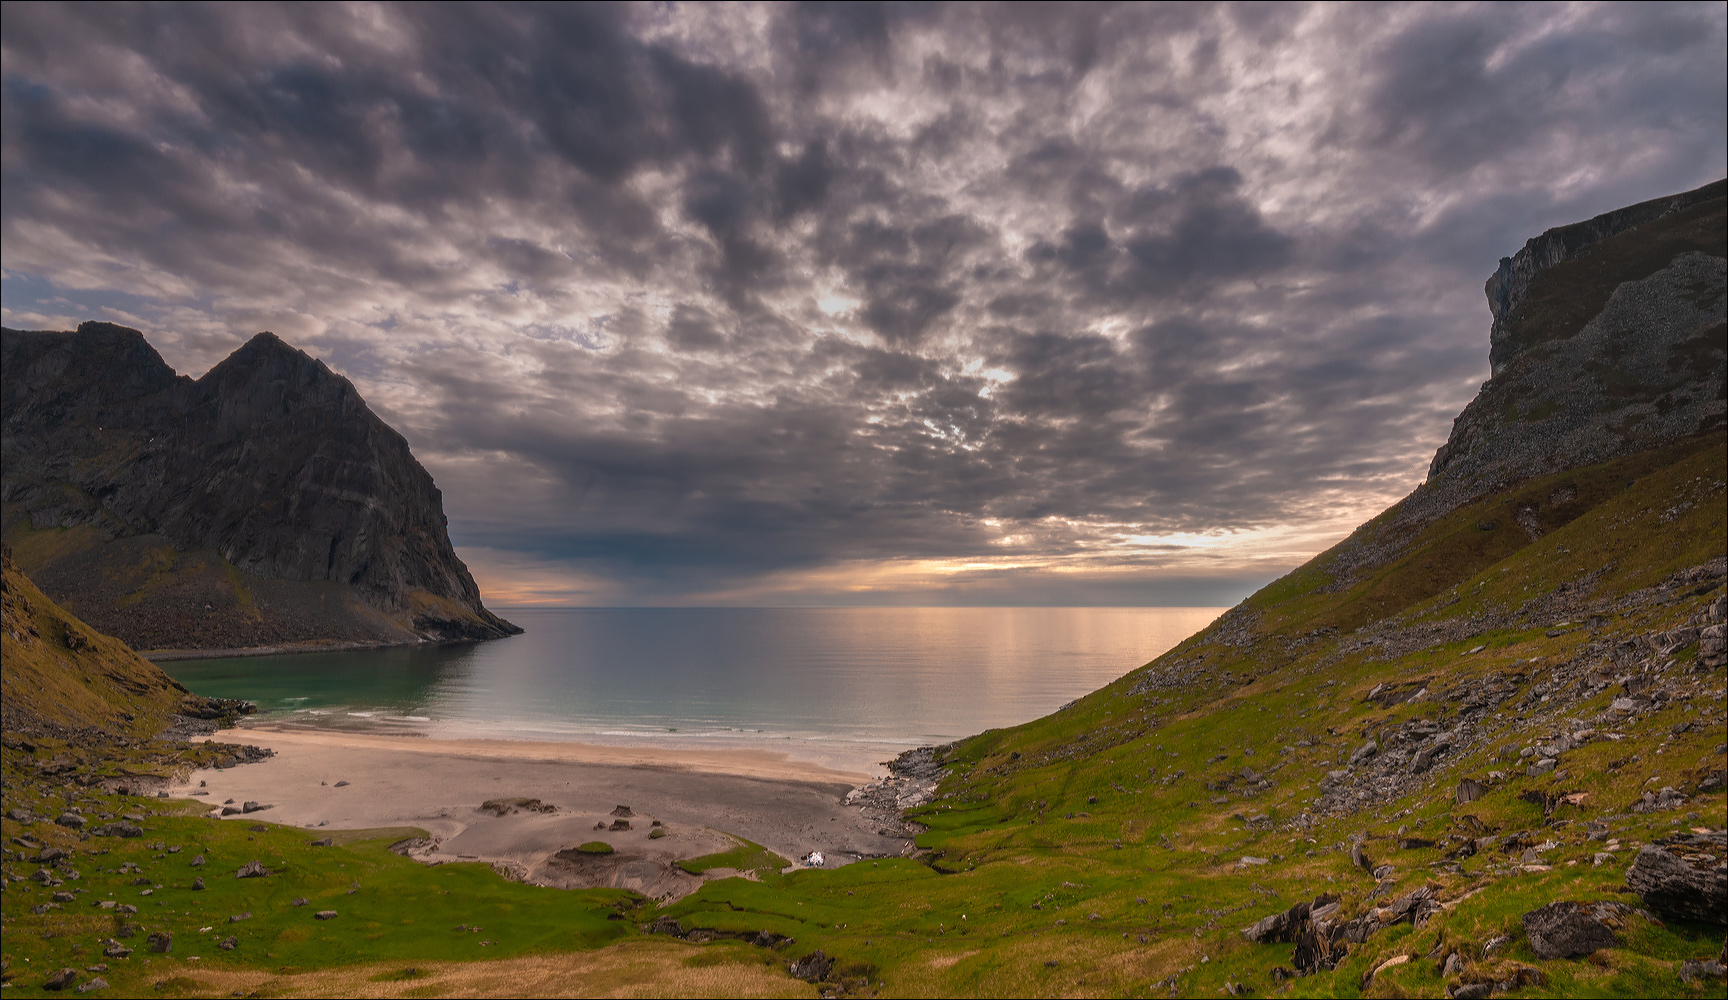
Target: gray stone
<point x="252" y="869"/>
<point x="70" y="819"/>
<point x="1566" y="930"/>
<point x="325" y="915"/>
<point x="812" y="968"/>
<point x="160" y="942"/>
<point x="1364" y="752"/>
<point x="62" y="979"/>
<point x="1684" y="881"/>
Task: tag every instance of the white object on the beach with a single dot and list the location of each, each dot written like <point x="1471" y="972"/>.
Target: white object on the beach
<point x="813" y="859"/>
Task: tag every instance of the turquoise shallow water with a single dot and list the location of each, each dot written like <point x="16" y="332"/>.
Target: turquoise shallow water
<point x="847" y="686"/>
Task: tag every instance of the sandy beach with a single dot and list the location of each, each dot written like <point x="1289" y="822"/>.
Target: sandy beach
<point x="703" y="799"/>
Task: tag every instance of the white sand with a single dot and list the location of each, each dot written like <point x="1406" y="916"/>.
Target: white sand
<point x="790" y="807"/>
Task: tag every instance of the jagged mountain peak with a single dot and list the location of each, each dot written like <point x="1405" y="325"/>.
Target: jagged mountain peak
<point x="270" y="465"/>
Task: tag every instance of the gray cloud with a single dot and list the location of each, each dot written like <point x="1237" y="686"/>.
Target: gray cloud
<point x="708" y="302"/>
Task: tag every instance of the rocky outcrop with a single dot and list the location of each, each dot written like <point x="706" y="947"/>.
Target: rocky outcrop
<point x="1684" y="879"/>
<point x="1608" y="339"/>
<point x="1508" y="287"/>
<point x="261" y="504"/>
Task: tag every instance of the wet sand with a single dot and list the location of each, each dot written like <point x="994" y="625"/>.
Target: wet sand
<point x="700" y="796"/>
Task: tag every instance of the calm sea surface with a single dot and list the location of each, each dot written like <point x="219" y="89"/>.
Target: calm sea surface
<point x="844" y="686"/>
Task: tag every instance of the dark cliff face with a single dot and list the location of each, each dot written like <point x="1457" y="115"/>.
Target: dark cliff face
<point x="1608" y="339"/>
<point x="270" y="461"/>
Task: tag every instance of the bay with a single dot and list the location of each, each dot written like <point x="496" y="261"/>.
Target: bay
<point x="841" y="686"/>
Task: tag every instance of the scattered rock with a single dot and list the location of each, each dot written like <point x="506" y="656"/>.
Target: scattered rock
<point x="341" y="784"/>
<point x="325" y="842"/>
<point x="1469" y="790"/>
<point x="198" y="884"/>
<point x="1695" y="970"/>
<point x="251" y="869"/>
<point x="619" y="824"/>
<point x="1687" y="880"/>
<point x="298" y="901"/>
<point x="160" y="942"/>
<point x="812" y="968"/>
<point x="70" y="819"/>
<point x="229" y="943"/>
<point x="325" y="915"/>
<point x="95" y="984"/>
<point x="1569" y="930"/>
<point x="623" y="811"/>
<point x="235" y="918"/>
<point x="1364" y="752"/>
<point x="197" y="861"/>
<point x="252" y="807"/>
<point x="1470" y="991"/>
<point x="60" y="980"/>
<point x="121" y="829"/>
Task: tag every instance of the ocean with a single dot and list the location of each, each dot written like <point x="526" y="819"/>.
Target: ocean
<point x="846" y="687"/>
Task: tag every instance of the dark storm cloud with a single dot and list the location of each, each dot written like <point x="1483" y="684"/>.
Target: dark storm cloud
<point x="692" y="298"/>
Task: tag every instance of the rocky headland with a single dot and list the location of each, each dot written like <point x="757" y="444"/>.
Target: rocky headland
<point x="262" y="505"/>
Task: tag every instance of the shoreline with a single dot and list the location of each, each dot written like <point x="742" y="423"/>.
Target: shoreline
<point x="700" y="802"/>
<point x="173" y="655"/>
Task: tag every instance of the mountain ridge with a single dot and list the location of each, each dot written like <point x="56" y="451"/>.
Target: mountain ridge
<point x="261" y="505"/>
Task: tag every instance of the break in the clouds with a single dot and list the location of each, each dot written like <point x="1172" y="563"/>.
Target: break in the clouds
<point x="1064" y="303"/>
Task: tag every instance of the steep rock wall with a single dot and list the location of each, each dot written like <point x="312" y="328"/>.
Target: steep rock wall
<point x="270" y="469"/>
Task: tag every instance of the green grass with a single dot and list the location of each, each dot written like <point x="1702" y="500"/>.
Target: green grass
<point x="389" y="908"/>
<point x="595" y="847"/>
<point x="746" y="856"/>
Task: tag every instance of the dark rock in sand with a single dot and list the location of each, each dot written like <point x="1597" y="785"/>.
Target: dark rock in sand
<point x="1683" y="880"/>
<point x="623" y="811"/>
<point x="619" y="824"/>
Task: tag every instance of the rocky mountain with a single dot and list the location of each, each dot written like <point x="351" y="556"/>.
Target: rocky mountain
<point x="261" y="505"/>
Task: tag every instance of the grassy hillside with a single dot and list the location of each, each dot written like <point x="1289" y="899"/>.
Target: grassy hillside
<point x="61" y="676"/>
<point x="1118" y="846"/>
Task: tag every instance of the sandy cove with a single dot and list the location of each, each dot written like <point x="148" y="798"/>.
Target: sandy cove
<point x="789" y="806"/>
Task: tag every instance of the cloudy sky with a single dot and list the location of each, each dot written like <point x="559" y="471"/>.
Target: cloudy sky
<point x="851" y="303"/>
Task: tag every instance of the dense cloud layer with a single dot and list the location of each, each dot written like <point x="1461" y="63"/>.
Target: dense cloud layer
<point x="850" y="302"/>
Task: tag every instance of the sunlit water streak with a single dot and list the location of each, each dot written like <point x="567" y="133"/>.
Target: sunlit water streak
<point x="844" y="686"/>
